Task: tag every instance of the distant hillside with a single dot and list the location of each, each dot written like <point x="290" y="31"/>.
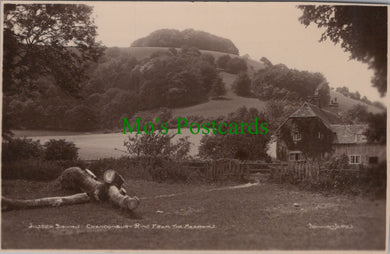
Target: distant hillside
<point x="173" y="38"/>
<point x="346" y="103"/>
<point x="215" y="108"/>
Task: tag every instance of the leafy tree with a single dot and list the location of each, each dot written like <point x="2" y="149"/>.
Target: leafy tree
<point x="376" y="131"/>
<point x="222" y="61"/>
<point x="218" y="88"/>
<point x="343" y="90"/>
<point x="60" y="150"/>
<point x="237" y="146"/>
<point x="324" y="94"/>
<point x="280" y="82"/>
<point x="242" y="85"/>
<point x="81" y="118"/>
<point x="277" y="111"/>
<point x="16" y="149"/>
<point x="379" y="104"/>
<point x="236" y="65"/>
<point x="267" y="62"/>
<point x="157" y="145"/>
<point x="360" y="30"/>
<point x="358" y="114"/>
<point x="48" y="39"/>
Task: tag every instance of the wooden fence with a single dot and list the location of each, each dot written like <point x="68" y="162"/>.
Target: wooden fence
<point x="308" y="170"/>
<point x="224" y="169"/>
<point x="301" y="170"/>
<point x="230" y="169"/>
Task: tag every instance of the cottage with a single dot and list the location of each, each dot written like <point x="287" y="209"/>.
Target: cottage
<point x="318" y="133"/>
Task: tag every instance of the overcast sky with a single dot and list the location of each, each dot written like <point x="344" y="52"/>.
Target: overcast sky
<point x="258" y="29"/>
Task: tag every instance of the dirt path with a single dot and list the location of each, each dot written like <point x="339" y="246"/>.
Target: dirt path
<point x="241" y="186"/>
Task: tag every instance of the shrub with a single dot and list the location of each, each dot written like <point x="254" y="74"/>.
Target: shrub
<point x="15" y="149"/>
<point x="222" y="61"/>
<point x="158" y="169"/>
<point x="218" y="88"/>
<point x="334" y="178"/>
<point x="60" y="150"/>
<point x="242" y="85"/>
<point x="236" y="65"/>
<point x="37" y="169"/>
<point x="158" y="145"/>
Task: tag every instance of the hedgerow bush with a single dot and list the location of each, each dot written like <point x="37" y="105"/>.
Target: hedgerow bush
<point x="16" y="149"/>
<point x="335" y="178"/>
<point x="159" y="169"/>
<point x="24" y="158"/>
<point x="60" y="150"/>
<point x="37" y="169"/>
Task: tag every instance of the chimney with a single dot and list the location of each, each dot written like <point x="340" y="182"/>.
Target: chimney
<point x="315" y="100"/>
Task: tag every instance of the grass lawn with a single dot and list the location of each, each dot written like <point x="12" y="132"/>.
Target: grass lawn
<point x="261" y="217"/>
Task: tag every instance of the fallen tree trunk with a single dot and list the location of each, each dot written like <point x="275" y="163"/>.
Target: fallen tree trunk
<point x="13" y="204"/>
<point x="77" y="179"/>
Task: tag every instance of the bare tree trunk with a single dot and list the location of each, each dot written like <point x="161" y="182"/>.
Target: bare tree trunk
<point x="12" y="204"/>
<point x="75" y="178"/>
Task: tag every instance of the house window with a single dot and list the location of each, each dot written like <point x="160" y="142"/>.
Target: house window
<point x="373" y="160"/>
<point x="295" y="156"/>
<point x="319" y="135"/>
<point x="297" y="136"/>
<point x="355" y="159"/>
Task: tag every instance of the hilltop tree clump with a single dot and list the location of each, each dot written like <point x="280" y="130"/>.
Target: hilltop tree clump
<point x="189" y="37"/>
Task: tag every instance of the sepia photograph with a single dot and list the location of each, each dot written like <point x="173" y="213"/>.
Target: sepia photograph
<point x="198" y="126"/>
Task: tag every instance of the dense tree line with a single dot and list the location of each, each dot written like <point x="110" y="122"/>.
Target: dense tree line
<point x="119" y="86"/>
<point x="281" y="83"/>
<point x="189" y="37"/>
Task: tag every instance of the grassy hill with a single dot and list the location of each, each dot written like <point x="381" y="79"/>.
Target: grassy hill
<point x="213" y="108"/>
<point x="346" y="103"/>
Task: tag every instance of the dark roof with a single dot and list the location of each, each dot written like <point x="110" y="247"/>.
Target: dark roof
<point x="310" y="110"/>
<point x="344" y="134"/>
<point x="349" y="134"/>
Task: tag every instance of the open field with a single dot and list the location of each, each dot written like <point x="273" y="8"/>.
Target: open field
<point x="260" y="217"/>
<point x="107" y="145"/>
<point x="103" y="145"/>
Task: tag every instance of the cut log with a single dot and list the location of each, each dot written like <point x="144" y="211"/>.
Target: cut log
<point x="76" y="179"/>
<point x="13" y="204"/>
<point x="123" y="201"/>
<point x="113" y="178"/>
